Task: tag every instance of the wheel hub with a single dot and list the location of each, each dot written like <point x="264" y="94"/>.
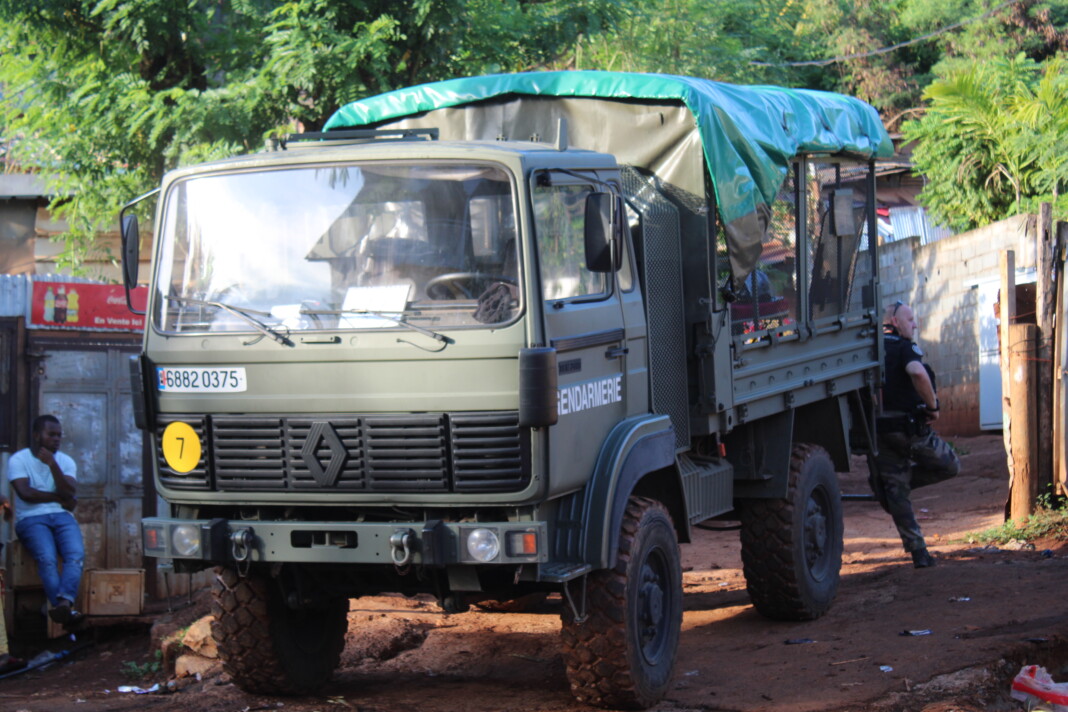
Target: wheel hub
<point x="651" y="609"/>
<point x="815" y="531"/>
<point x="653" y="600"/>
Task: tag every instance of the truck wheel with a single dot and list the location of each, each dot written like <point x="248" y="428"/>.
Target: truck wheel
<point x="623" y="654"/>
<point x="265" y="646"/>
<point x="792" y="547"/>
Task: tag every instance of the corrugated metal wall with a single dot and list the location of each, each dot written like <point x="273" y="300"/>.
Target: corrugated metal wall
<point x="14" y="295"/>
<point x="16" y="291"/>
<point x="913" y="221"/>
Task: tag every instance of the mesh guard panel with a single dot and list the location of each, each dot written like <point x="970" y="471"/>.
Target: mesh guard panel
<point x="661" y="278"/>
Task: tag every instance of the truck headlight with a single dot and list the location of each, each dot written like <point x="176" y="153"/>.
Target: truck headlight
<point x="185" y="540"/>
<point x="483" y="544"/>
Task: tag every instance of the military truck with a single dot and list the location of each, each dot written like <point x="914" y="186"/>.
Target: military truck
<point x="507" y="336"/>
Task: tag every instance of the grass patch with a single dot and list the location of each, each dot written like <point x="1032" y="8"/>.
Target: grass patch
<point x="137" y="671"/>
<point x="1043" y="523"/>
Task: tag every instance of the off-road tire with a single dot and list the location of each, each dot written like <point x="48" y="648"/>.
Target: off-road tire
<point x="266" y="647"/>
<point x="792" y="547"/>
<point x="623" y="654"/>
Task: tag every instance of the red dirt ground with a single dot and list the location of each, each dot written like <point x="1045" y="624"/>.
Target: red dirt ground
<point x="406" y="654"/>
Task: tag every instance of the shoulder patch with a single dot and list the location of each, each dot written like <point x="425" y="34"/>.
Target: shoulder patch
<point x="917" y="350"/>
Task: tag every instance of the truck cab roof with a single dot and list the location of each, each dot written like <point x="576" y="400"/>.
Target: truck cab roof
<point x="521" y="155"/>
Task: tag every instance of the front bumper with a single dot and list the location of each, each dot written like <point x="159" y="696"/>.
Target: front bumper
<point x="431" y="543"/>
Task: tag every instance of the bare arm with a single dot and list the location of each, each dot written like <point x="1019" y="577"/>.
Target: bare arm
<point x="33" y="496"/>
<point x="66" y="487"/>
<point x="922" y="383"/>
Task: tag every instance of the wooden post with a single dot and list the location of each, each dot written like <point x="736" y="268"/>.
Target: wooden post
<point x="1023" y="493"/>
<point x="1006" y="315"/>
<point x="1060" y="366"/>
<point x="1045" y="299"/>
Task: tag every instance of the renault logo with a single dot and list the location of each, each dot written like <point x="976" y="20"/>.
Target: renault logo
<point x="322" y="434"/>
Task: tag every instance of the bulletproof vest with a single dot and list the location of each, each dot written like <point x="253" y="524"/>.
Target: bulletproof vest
<point x="898" y="391"/>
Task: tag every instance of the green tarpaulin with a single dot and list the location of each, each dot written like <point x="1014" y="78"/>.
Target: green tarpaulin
<point x="749" y="133"/>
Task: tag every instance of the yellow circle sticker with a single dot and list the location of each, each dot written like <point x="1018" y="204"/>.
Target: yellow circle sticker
<point x="181" y="447"/>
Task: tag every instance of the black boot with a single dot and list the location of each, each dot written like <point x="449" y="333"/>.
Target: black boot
<point x="922" y="559"/>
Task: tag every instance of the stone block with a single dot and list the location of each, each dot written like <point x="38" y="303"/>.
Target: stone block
<point x="192" y="665"/>
<point x="198" y="639"/>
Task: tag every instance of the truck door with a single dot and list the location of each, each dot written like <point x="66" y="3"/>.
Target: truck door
<point x="584" y="321"/>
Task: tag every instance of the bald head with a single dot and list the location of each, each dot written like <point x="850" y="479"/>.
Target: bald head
<point x="900" y="316"/>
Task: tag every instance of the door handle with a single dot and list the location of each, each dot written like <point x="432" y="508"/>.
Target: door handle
<point x="616" y="352"/>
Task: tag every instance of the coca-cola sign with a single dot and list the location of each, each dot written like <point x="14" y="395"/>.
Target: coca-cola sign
<point x="78" y="305"/>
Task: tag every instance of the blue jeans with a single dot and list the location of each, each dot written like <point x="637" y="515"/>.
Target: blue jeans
<point x="45" y="536"/>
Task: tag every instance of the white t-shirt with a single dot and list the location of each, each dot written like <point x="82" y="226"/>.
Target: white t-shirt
<point x="23" y="465"/>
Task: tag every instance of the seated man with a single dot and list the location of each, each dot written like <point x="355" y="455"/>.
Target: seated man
<point x="45" y="481"/>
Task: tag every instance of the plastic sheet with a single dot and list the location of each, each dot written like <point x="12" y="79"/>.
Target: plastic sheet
<point x="1034" y="685"/>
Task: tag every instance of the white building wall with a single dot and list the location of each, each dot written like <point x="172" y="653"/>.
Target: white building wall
<point x="941" y="280"/>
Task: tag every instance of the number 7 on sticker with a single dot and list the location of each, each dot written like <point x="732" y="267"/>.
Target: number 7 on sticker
<point x="180" y="457"/>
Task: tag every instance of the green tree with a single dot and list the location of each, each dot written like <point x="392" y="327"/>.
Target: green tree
<point x="990" y="30"/>
<point x="887" y="52"/>
<point x="715" y="39"/>
<point x="763" y="41"/>
<point x="859" y="29"/>
<point x="994" y="141"/>
<point x="103" y="96"/>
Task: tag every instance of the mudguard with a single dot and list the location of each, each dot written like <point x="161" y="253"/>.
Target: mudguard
<point x="634" y="448"/>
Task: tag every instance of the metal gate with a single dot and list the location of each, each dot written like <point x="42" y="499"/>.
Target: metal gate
<point x="88" y="388"/>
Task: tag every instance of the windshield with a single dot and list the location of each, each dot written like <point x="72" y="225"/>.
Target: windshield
<point x="339" y="247"/>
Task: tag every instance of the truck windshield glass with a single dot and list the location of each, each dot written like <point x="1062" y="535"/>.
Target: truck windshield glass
<point x="340" y="247"/>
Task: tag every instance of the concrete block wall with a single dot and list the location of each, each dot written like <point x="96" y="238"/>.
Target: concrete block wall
<point x="938" y="280"/>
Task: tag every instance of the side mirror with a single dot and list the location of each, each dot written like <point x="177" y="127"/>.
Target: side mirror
<point x="131" y="249"/>
<point x="604" y="232"/>
<point x="131" y="246"/>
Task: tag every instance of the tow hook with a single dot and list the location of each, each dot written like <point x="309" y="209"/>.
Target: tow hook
<point x="241" y="548"/>
<point x="240" y="543"/>
<point x="400" y="547"/>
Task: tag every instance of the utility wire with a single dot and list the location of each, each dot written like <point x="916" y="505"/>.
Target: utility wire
<point x="885" y="50"/>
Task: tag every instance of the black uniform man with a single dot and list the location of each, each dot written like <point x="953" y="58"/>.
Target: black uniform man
<point x="910" y="453"/>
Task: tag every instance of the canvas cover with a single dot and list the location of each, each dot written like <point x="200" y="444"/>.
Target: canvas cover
<point x="671" y="127"/>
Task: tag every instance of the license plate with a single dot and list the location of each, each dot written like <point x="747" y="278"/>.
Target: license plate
<point x="193" y="379"/>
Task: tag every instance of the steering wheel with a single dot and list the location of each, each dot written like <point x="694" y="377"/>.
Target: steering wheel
<point x="459" y="285"/>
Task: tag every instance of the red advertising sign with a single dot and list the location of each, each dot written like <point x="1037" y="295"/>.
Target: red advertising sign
<point x="75" y="305"/>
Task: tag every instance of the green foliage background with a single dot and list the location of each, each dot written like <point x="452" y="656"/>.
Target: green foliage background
<point x="103" y="96"/>
<point x="994" y="140"/>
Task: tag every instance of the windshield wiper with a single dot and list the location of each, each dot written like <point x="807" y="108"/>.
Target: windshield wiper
<point x="253" y="321"/>
<point x="399" y="320"/>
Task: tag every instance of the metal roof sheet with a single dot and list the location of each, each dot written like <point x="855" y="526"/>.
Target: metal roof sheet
<point x="22" y="185"/>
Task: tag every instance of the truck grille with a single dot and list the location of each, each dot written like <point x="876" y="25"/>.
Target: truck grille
<point x="436" y="452"/>
<point x="195" y="479"/>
